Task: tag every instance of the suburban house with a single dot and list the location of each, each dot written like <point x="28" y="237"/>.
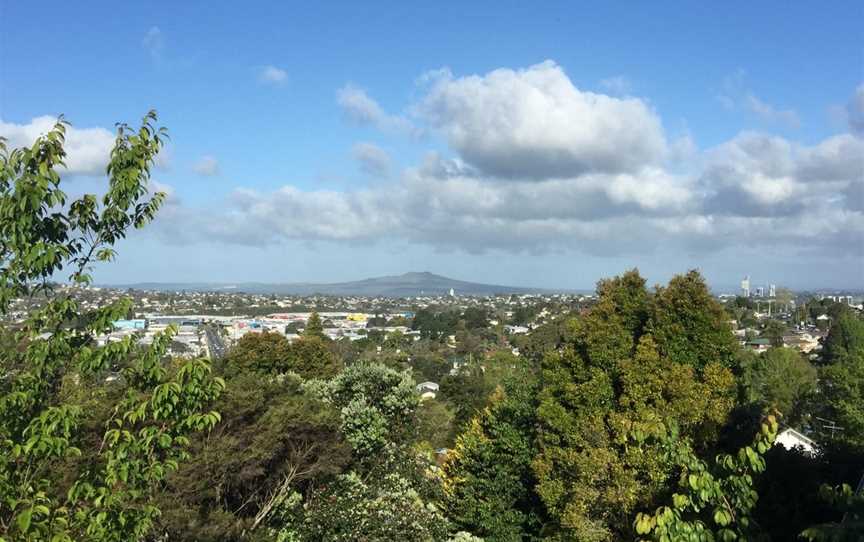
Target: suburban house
<point x="791" y="439"/>
<point x="427" y="390"/>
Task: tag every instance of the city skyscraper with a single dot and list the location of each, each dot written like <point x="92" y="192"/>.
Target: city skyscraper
<point x="745" y="286"/>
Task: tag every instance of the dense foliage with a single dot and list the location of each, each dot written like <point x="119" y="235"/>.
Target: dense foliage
<point x="65" y="473"/>
<point x="613" y="381"/>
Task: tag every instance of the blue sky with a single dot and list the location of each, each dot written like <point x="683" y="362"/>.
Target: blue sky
<point x="496" y="141"/>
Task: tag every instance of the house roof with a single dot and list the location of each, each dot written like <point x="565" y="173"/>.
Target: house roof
<point x="797" y="435"/>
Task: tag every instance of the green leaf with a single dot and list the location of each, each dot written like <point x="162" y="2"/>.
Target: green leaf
<point x="23" y="519"/>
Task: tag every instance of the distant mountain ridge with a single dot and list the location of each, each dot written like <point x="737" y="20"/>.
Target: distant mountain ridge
<point x="406" y="285"/>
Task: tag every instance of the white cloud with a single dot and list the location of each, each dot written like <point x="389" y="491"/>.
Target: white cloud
<point x="206" y="166"/>
<point x="87" y="149"/>
<point x="755" y="191"/>
<point x="537" y="164"/>
<point x="359" y="108"/>
<point x="617" y="85"/>
<point x="373" y="159"/>
<point x="272" y="74"/>
<point x="154" y="43"/>
<point x="759" y="175"/>
<point x="534" y="123"/>
<point x="786" y="117"/>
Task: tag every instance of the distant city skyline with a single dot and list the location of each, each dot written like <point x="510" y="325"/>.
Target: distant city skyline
<point x="492" y="142"/>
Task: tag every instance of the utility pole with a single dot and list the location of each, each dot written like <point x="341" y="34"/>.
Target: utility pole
<point x="830" y="425"/>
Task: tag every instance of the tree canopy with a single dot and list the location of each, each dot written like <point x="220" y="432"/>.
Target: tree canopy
<point x="54" y="484"/>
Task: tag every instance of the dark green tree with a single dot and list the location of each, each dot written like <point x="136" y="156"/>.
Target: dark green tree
<point x="774" y="331"/>
<point x="850" y="504"/>
<point x="267" y="352"/>
<point x="311" y="357"/>
<point x="273" y="440"/>
<point x="488" y="478"/>
<point x="841" y="388"/>
<point x="689" y="325"/>
<point x="780" y="378"/>
<point x="845" y="339"/>
<point x="314" y="327"/>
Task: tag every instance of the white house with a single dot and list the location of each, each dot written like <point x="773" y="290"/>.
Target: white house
<point x="427" y="390"/>
<point x="791" y="439"/>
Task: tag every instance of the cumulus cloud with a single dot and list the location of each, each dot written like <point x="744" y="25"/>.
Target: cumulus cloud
<point x="760" y="175"/>
<point x="206" y="166"/>
<point x="536" y="164"/>
<point x="373" y="159"/>
<point x="534" y="123"/>
<point x="755" y="190"/>
<point x="273" y="75"/>
<point x="87" y="149"/>
<point x="361" y="109"/>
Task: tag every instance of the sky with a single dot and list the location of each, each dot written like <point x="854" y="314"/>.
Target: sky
<point x="545" y="145"/>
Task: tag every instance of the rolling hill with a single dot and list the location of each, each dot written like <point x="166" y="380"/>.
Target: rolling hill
<point x="405" y="285"/>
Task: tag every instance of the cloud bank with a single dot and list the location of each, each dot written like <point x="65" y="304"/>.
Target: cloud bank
<point x="535" y="164"/>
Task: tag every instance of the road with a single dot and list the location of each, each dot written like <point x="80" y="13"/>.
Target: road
<point x="215" y="343"/>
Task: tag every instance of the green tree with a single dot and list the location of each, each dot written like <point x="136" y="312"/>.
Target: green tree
<point x="377" y="404"/>
<point x="715" y="502"/>
<point x="311" y="357"/>
<point x="689" y="324"/>
<point x="789" y="500"/>
<point x="488" y="478"/>
<point x="774" y="331"/>
<point x="848" y="503"/>
<point x="434" y="325"/>
<point x="780" y="378"/>
<point x="467" y="391"/>
<point x="435" y="424"/>
<point x="314" y="327"/>
<point x="267" y="352"/>
<point x="352" y="507"/>
<point x="845" y="339"/>
<point x="396" y="339"/>
<point x="549" y="336"/>
<point x="386" y="494"/>
<point x="841" y="387"/>
<point x="43" y="496"/>
<point x="270" y="352"/>
<point x="612" y="379"/>
<point x="475" y="318"/>
<point x="273" y="440"/>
